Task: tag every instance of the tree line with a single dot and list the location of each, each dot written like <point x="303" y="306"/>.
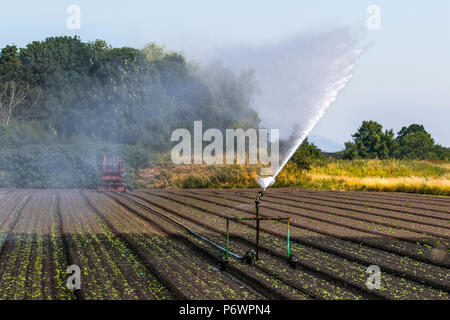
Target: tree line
<point x="65" y="103"/>
<point x="411" y="142"/>
<point x="66" y="90"/>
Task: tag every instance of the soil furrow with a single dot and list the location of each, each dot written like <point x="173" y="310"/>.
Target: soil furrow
<point x="311" y="276"/>
<point x="405" y="248"/>
<point x="429" y="219"/>
<point x="408" y="208"/>
<point x="354" y="252"/>
<point x="420" y="230"/>
<point x="197" y="247"/>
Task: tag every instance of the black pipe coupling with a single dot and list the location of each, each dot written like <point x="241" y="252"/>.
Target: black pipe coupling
<point x="223" y="262"/>
<point x="249" y="256"/>
<point x="292" y="261"/>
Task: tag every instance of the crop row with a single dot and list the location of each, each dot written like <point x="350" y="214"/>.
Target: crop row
<point x="167" y="252"/>
<point x="32" y="258"/>
<point x="372" y="223"/>
<point x="323" y="261"/>
<point x="193" y="253"/>
<point x="108" y="268"/>
<point x="316" y="227"/>
<point x="128" y="251"/>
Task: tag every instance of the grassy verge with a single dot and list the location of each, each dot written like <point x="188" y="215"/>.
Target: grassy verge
<point x="412" y="176"/>
<point x="198" y="176"/>
<point x="381" y="175"/>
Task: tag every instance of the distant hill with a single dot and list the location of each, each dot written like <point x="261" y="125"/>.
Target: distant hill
<point x="325" y="144"/>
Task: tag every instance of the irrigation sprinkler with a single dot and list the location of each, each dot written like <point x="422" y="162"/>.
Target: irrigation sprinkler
<point x="251" y="254"/>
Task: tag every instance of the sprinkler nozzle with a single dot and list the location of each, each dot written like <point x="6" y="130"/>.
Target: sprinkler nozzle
<point x="259" y="196"/>
<point x="265" y="182"/>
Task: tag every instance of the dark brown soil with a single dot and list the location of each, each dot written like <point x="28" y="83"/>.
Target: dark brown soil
<point x="128" y="250"/>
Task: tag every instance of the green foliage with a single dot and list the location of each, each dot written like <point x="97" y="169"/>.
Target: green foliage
<point x="153" y="52"/>
<point x="404" y="131"/>
<point x="18" y="90"/>
<point x="125" y="95"/>
<point x="75" y="93"/>
<point x="25" y="133"/>
<point x="442" y="153"/>
<point x="371" y="142"/>
<point x="10" y="65"/>
<point x="412" y="142"/>
<point x="305" y="155"/>
<point x="417" y="145"/>
<point x="64" y="165"/>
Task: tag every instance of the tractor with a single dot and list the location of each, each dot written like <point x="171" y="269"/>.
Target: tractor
<point x="113" y="175"/>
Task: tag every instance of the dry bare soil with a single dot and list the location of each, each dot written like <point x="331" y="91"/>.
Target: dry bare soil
<point x="125" y="251"/>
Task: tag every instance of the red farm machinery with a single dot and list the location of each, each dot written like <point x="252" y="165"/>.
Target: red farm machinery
<point x="113" y="175"/>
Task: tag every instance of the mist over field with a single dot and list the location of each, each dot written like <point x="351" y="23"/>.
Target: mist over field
<point x="294" y="74"/>
<point x="299" y="78"/>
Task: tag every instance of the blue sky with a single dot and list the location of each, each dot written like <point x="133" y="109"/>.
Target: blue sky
<point x="403" y="77"/>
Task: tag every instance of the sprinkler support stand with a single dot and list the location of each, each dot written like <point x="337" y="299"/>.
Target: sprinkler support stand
<point x="250" y="254"/>
<point x="258" y="197"/>
<point x="257" y="229"/>
<point x="228" y="236"/>
<point x="288" y="247"/>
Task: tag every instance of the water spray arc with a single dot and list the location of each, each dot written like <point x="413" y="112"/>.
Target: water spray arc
<point x="330" y="95"/>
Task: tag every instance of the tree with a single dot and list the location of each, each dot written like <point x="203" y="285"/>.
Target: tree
<point x="417" y="145"/>
<point x="391" y="143"/>
<point x="62" y="91"/>
<point x="350" y="151"/>
<point x="15" y="87"/>
<point x="412" y="142"/>
<point x="415" y="142"/>
<point x="441" y="152"/>
<point x="305" y="155"/>
<point x="404" y="131"/>
<point x="153" y="52"/>
<point x="92" y="91"/>
<point x="371" y="142"/>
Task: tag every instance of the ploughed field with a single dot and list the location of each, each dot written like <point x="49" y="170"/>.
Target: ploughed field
<point x="125" y="251"/>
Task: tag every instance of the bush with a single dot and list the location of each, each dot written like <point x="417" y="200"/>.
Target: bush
<point x="64" y="165"/>
<point x="25" y="133"/>
<point x="305" y="155"/>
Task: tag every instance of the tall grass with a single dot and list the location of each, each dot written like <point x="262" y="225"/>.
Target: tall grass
<point x="382" y="168"/>
<point x="198" y="176"/>
<point x="413" y="176"/>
